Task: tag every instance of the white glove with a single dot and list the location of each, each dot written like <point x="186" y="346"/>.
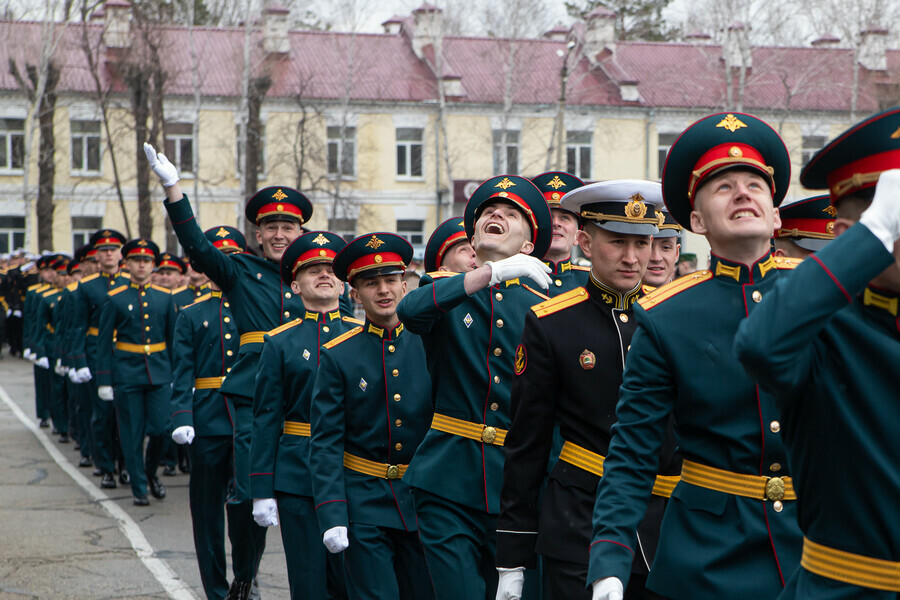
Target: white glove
<point x="42" y="362"/>
<point x="73" y="376"/>
<point x="8" y="312"/>
<point x="59" y="369"/>
<point x="883" y="215"/>
<point x="509" y="587"/>
<point x="83" y="374"/>
<point x="520" y="265"/>
<point x="17" y="313"/>
<point x="608" y="588"/>
<point x="159" y="164"/>
<point x="183" y="434"/>
<point x="27" y="354"/>
<point x="105" y="393"/>
<point x="335" y="539"/>
<point x="265" y="512"/>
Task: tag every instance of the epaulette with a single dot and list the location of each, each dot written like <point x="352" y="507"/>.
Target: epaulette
<point x="117" y="290"/>
<point x="160" y="288"/>
<point x="90" y="277"/>
<point x="285" y="326"/>
<point x="35" y="286"/>
<point x="441" y="274"/>
<point x="786" y="262"/>
<point x="570" y="298"/>
<point x="47" y="293"/>
<point x="580" y="268"/>
<point x="125" y="275"/>
<point x="72" y="286"/>
<point x="646" y="289"/>
<point x="673" y="288"/>
<point x="353" y="320"/>
<point x="199" y="299"/>
<point x="535" y="292"/>
<point x="178" y="290"/>
<point x="343" y="337"/>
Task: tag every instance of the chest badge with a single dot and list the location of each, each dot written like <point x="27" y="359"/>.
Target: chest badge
<point x="468" y="320"/>
<point x="206" y="323"/>
<point x="362" y="384"/>
<point x="305" y="354"/>
<point x="130" y="307"/>
<point x="587" y="360"/>
<point x="521" y="359"/>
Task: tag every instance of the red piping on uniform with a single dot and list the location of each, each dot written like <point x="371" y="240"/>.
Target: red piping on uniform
<point x="387" y="408"/>
<point x="772" y="542"/>
<point x="328" y="502"/>
<point x="146" y="357"/>
<point x="487" y="362"/>
<point x="191" y="218"/>
<point x="222" y="335"/>
<point x="434" y="298"/>
<point x="833" y="278"/>
<point x="614" y="542"/>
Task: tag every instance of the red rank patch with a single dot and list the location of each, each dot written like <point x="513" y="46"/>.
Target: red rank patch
<point x="521" y="359"/>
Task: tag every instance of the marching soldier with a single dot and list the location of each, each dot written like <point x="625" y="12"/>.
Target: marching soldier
<point x="730" y="528"/>
<point x="448" y="249"/>
<point x="826" y="343"/>
<point x="665" y="251"/>
<point x="371" y="406"/>
<point x="806" y="227"/>
<point x="31" y="335"/>
<point x="45" y="346"/>
<point x="137" y="323"/>
<point x="470" y="325"/>
<point x="568" y="371"/>
<point x="564" y="275"/>
<point x="280" y="480"/>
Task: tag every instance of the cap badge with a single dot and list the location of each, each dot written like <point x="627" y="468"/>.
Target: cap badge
<point x="374" y="243"/>
<point x="106" y="233"/>
<point x="556" y="182"/>
<point x="142" y="243"/>
<point x="636" y="209"/>
<point x="731" y="123"/>
<point x="320" y="240"/>
<point x="521" y="359"/>
<point x="505" y="183"/>
<point x="322" y="252"/>
<point x="222" y="232"/>
<point x="279" y="195"/>
<point x="896" y="134"/>
<point x="462" y="223"/>
<point x="829" y="228"/>
<point x="735" y="152"/>
<point x="555" y="196"/>
<point x="587" y="360"/>
<point x="832" y="211"/>
<point x="378" y="258"/>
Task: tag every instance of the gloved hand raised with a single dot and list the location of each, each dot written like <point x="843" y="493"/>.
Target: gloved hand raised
<point x="883" y="215"/>
<point x="265" y="512"/>
<point x="520" y="265"/>
<point x="105" y="393"/>
<point x="183" y="434"/>
<point x="159" y="164"/>
<point x="608" y="588"/>
<point x="335" y="539"/>
<point x="510" y="584"/>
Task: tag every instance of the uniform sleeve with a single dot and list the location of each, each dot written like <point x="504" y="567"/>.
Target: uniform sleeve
<point x="28" y="321"/>
<point x="41" y="320"/>
<point x="646" y="399"/>
<point x="775" y="342"/>
<point x="183" y="375"/>
<point x="421" y="308"/>
<point x="527" y="448"/>
<point x="268" y="420"/>
<point x="105" y="342"/>
<point x="326" y="446"/>
<point x="78" y="315"/>
<point x="214" y="263"/>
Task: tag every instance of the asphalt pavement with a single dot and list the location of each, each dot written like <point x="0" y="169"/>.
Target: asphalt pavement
<point x="64" y="538"/>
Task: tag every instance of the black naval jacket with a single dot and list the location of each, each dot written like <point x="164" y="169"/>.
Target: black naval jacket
<point x="568" y="371"/>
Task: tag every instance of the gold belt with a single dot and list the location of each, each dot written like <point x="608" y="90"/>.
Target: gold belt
<point x="375" y="469"/>
<point x="758" y="487"/>
<point x="466" y="429"/>
<point x="141" y="349"/>
<point x="252" y="337"/>
<point x="593" y="463"/>
<point x="297" y="428"/>
<point x="93" y="331"/>
<point x="855" y="569"/>
<point x="208" y="383"/>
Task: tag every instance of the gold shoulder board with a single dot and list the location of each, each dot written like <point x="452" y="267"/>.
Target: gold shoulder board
<point x="570" y="298"/>
<point x="343" y="337"/>
<point x="673" y="288"/>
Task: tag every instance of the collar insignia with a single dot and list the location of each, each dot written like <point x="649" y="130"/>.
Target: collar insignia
<point x="362" y="384"/>
<point x="731" y="123"/>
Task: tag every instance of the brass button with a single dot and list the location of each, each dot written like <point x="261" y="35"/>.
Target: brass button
<point x="496" y="379"/>
<point x="494" y="406"/>
<point x="391" y="348"/>
<point x="623" y="317"/>
<point x="146" y="304"/>
<point x="146" y="316"/>
<point x="778" y="506"/>
<point x="229" y="353"/>
<point x="326" y="329"/>
<point x="775" y="467"/>
<point x="488" y="435"/>
<point x="227" y="319"/>
<point x="628" y="348"/>
<point x="499" y="322"/>
<point x="227" y="305"/>
<point x="147" y="328"/>
<point x="287" y="294"/>
<point x="396" y="397"/>
<point x="147" y="349"/>
<point x="228" y="370"/>
<point x="558" y="283"/>
<point x="287" y="313"/>
<point x="498" y="351"/>
<point x="227" y="336"/>
<point x="399" y="446"/>
<point x="498" y="296"/>
<point x="398" y="422"/>
<point x="775" y="488"/>
<point x="395" y="372"/>
<point x="756" y="296"/>
<point x="143" y="293"/>
<point x="775" y="426"/>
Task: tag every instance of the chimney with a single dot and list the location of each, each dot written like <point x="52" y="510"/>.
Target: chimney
<point x="826" y="41"/>
<point x="427" y="25"/>
<point x="275" y="30"/>
<point x="393" y="25"/>
<point x="698" y="38"/>
<point x="736" y="49"/>
<point x="873" y="48"/>
<point x="559" y="33"/>
<point x="117" y="29"/>
<point x="599" y="33"/>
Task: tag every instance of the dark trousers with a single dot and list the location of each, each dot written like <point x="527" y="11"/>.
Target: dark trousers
<point x="14" y="334"/>
<point x="460" y="546"/>
<point x="83" y="412"/>
<point x="142" y="410"/>
<point x="41" y="393"/>
<point x="104" y="429"/>
<point x="250" y="537"/>
<point x="564" y="580"/>
<point x="58" y="401"/>
<point x="385" y="564"/>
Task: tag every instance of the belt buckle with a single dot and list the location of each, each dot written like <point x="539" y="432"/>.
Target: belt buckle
<point x="488" y="435"/>
<point x="393" y="472"/>
<point x="775" y="489"/>
<point x="146" y="348"/>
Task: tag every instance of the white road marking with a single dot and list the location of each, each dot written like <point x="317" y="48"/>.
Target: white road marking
<point x="174" y="586"/>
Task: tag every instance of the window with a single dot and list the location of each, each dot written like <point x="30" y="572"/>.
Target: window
<point x="412" y="230"/>
<point x="261" y="155"/>
<point x="85" y="146"/>
<point x="506" y="159"/>
<point x="811" y="145"/>
<point x="342" y="151"/>
<point x="82" y="228"/>
<point x="12" y="144"/>
<point x="12" y="233"/>
<point x="180" y="147"/>
<point x="578" y="153"/>
<point x="409" y="152"/>
<point x="665" y="142"/>
<point x="346" y="228"/>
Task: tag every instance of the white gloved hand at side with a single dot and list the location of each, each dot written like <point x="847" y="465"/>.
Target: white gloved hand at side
<point x="160" y="165"/>
<point x="27" y="354"/>
<point x="265" y="512"/>
<point x="84" y="374"/>
<point x="17" y="313"/>
<point x="59" y="368"/>
<point x="42" y="362"/>
<point x="882" y="217"/>
<point x="183" y="434"/>
<point x="520" y="265"/>
<point x="105" y="393"/>
<point x="510" y="584"/>
<point x="335" y="539"/>
<point x="608" y="588"/>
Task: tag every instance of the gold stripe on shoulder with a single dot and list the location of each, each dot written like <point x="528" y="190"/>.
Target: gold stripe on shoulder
<point x="199" y="299"/>
<point x="580" y="268"/>
<point x="285" y="326"/>
<point x="646" y="289"/>
<point x="785" y="262"/>
<point x="90" y="277"/>
<point x="123" y="274"/>
<point x="343" y="337"/>
<point x="536" y="293"/>
<point x="441" y="274"/>
<point x="178" y="290"/>
<point x="570" y="298"/>
<point x="35" y="286"/>
<point x="353" y="320"/>
<point x="117" y="290"/>
<point x="681" y="284"/>
<point x="72" y="286"/>
<point x="160" y="288"/>
<point x="50" y="292"/>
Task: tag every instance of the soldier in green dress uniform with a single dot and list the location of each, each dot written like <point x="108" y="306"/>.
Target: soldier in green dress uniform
<point x="470" y="325"/>
<point x="449" y="249"/>
<point x="31" y="333"/>
<point x="730" y="527"/>
<point x="806" y="227"/>
<point x="46" y="346"/>
<point x="280" y="479"/>
<point x="665" y="251"/>
<point x="826" y="343"/>
<point x="565" y="276"/>
<point x="137" y="324"/>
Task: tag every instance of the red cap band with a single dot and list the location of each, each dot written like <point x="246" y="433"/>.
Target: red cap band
<point x="279" y="209"/>
<point x="141" y="252"/>
<point x="811" y="228"/>
<point x="316" y="255"/>
<point x="520" y="204"/>
<point x="726" y="156"/>
<point x="373" y="261"/>
<point x="459" y="236"/>
<point x="861" y="174"/>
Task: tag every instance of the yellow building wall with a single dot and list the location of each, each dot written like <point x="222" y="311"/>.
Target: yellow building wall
<point x="537" y="136"/>
<point x="470" y="143"/>
<point x="619" y="149"/>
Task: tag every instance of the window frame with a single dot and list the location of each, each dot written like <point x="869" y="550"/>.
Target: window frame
<point x="83" y="137"/>
<point x="174" y="152"/>
<point x="579" y="147"/>
<point x="496" y="150"/>
<point x="8" y="138"/>
<point x="408" y="146"/>
<point x="341" y="143"/>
